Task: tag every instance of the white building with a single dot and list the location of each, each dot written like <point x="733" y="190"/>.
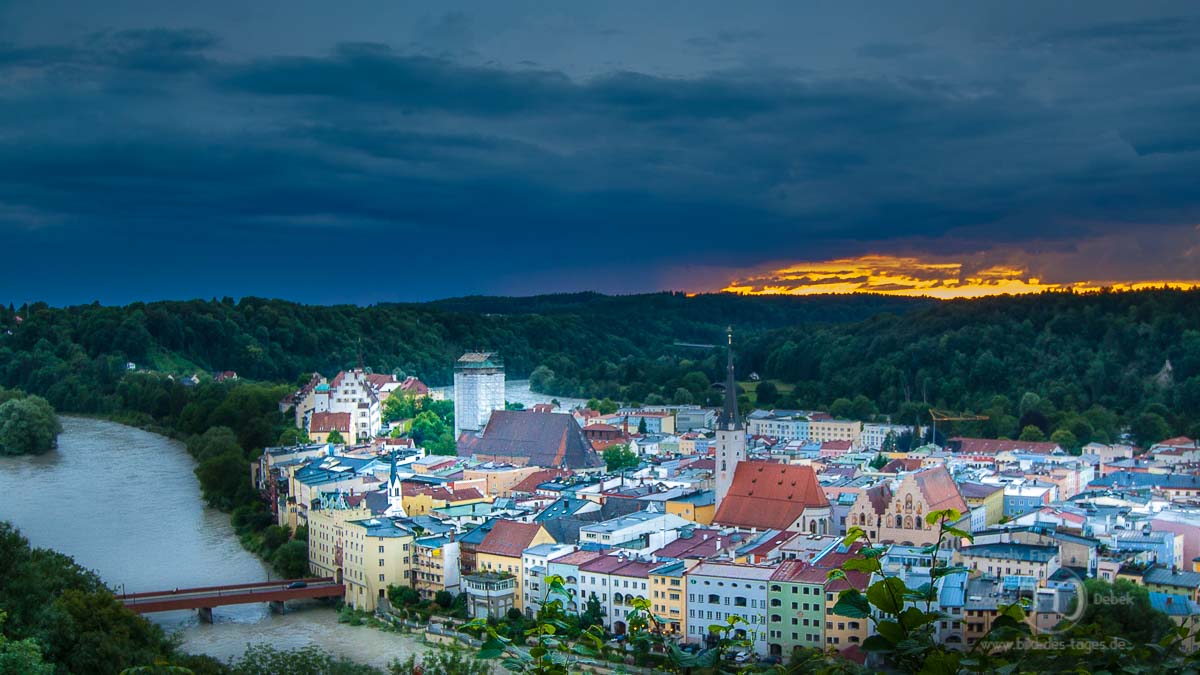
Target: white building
<point x="636" y="532"/>
<point x="874" y="434"/>
<point x="616" y="580"/>
<point x="478" y="390"/>
<point x="719" y="590"/>
<point x="535" y="561"/>
<point x="350" y="392"/>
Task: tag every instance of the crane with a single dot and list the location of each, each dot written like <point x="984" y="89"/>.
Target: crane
<point x="944" y="416"/>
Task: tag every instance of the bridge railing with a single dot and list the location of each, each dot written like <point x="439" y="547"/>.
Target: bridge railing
<point x="228" y="587"/>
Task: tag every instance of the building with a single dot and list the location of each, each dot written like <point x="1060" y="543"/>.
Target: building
<point x="616" y="580"/>
<point x="490" y="594"/>
<point x="829" y="429"/>
<point x="697" y="506"/>
<point x="535" y="563"/>
<point x="731" y="437"/>
<point x="765" y="495"/>
<point x="322" y="424"/>
<point x="436" y="565"/>
<point x="567" y="567"/>
<point x="527" y="438"/>
<point x="719" y="590"/>
<point x="875" y="434"/>
<point x="801" y="597"/>
<point x="1019" y="567"/>
<point x="377" y="554"/>
<point x="782" y="425"/>
<point x="897" y="516"/>
<point x="668" y="597"/>
<point x="478" y="390"/>
<point x="351" y="392"/>
<point x="694" y="418"/>
<point x="989" y="497"/>
<point x="502" y="549"/>
<point x="637" y="531"/>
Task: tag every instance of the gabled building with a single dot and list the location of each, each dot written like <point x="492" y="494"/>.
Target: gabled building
<point x="764" y="495"/>
<point x="502" y="549"/>
<point x="897" y="516"/>
<point x="527" y="438"/>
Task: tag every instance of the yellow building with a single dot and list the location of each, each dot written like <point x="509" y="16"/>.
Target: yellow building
<point x="991" y="497"/>
<point x="420" y="501"/>
<point x="377" y="554"/>
<point x="502" y="548"/>
<point x="327" y="535"/>
<point x="668" y="598"/>
<point x="835" y="430"/>
<point x="698" y="507"/>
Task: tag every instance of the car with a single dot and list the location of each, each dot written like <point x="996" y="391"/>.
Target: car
<point x="298" y="584"/>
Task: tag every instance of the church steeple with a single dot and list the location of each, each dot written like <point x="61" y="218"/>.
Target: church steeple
<point x="729" y="414"/>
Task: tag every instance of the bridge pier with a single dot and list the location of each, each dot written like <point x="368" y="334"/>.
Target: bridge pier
<point x="206" y="614"/>
<point x="276" y="606"/>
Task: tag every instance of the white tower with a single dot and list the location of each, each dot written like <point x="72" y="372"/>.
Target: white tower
<point x="478" y="390"/>
<point x="731" y="437"/>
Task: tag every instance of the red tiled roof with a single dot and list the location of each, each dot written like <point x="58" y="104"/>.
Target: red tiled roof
<point x="439" y="492"/>
<point x="702" y="544"/>
<point x="323" y="422"/>
<point x="414" y="386"/>
<point x="992" y="446"/>
<point x="972" y="490"/>
<point x="940" y="490"/>
<point x="902" y="464"/>
<point x="578" y="557"/>
<point x="769" y="496"/>
<point x="835" y="445"/>
<point x="618" y="565"/>
<point x="377" y="380"/>
<point x="530" y="482"/>
<point x="509" y="538"/>
<point x="1177" y="442"/>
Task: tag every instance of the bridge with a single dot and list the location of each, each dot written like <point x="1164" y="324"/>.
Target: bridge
<point x="205" y="599"/>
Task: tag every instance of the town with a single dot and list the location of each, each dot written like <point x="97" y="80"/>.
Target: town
<point x="711" y="513"/>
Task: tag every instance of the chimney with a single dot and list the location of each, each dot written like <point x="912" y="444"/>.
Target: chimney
<point x="453" y="535"/>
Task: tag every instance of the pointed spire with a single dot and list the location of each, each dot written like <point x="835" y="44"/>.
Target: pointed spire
<point x="360" y="360"/>
<point x="729" y="415"/>
<point x="392" y="481"/>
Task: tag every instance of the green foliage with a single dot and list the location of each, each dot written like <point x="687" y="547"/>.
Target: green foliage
<point x="292" y="436"/>
<point x="641" y="429"/>
<point x="1032" y="433"/>
<point x="308" y="660"/>
<point x="21" y="657"/>
<point x="291" y="559"/>
<point x="64" y="612"/>
<point x="879" y="462"/>
<point x="28" y="425"/>
<point x="766" y="393"/>
<point x="603" y="406"/>
<point x="619" y="458"/>
<point x="443" y="661"/>
<point x="403" y="596"/>
<point x="593" y="612"/>
<point x="335" y="437"/>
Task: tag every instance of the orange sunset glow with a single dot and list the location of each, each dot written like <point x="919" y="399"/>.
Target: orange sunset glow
<point x="905" y="275"/>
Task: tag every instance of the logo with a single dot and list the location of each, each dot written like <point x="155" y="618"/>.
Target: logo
<point x="1059" y="608"/>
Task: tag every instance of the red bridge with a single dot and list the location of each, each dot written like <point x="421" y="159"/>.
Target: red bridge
<point x="205" y="599"/>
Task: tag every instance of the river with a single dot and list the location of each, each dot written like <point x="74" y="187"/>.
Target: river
<point x="125" y="503"/>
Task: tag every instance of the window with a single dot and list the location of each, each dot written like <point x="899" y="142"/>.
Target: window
<point x="381" y="549"/>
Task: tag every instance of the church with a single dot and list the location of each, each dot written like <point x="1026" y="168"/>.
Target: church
<point x="762" y="495"/>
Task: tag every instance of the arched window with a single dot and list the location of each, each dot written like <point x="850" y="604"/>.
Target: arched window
<point x="908" y="502"/>
<point x="812" y="526"/>
<point x="722" y="465"/>
<point x="899" y="521"/>
<point x="775" y="618"/>
<point x="616" y="598"/>
<point x="908" y="522"/>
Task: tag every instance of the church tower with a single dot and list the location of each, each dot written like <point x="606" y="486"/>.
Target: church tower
<point x="731" y="438"/>
<point x="395" y="494"/>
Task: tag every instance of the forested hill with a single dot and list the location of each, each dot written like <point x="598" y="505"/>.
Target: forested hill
<point x="277" y="340"/>
<point x="1103" y="353"/>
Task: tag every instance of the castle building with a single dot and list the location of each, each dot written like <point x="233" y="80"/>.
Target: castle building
<point x="478" y="390"/>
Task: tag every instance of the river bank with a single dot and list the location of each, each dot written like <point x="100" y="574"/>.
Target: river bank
<point x="125" y="503"/>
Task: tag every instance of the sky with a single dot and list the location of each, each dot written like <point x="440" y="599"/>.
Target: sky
<point x="371" y="151"/>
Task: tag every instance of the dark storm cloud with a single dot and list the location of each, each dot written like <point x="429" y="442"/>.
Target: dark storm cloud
<point x="430" y="152"/>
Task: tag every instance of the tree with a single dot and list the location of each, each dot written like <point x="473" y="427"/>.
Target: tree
<point x="593" y="612"/>
<point x="1149" y="428"/>
<point x="21" y="657"/>
<point x="444" y="599"/>
<point x="28" y="426"/>
<point x="1120" y="609"/>
<point x="310" y="660"/>
<point x="642" y="426"/>
<point x="335" y="437"/>
<point x="443" y="661"/>
<point x="879" y="462"/>
<point x="292" y="436"/>
<point x="842" y="409"/>
<point x="766" y="393"/>
<point x="682" y="396"/>
<point x="291" y="559"/>
<point x="1065" y="440"/>
<point x="541" y="379"/>
<point x="399" y="406"/>
<point x="212" y="443"/>
<point x="619" y="458"/>
<point x="1032" y="433"/>
<point x="403" y="596"/>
